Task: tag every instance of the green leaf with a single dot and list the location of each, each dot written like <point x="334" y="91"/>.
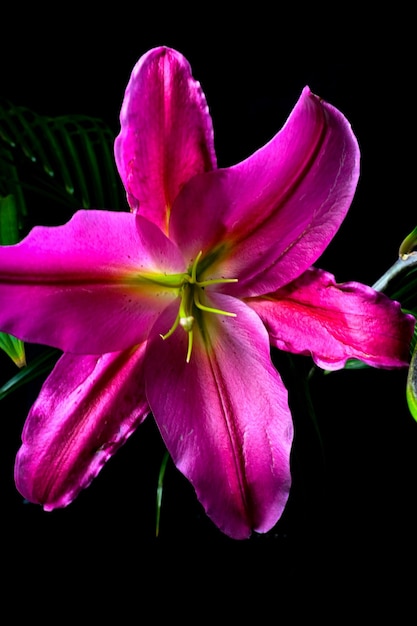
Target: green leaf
<point x="14" y="348"/>
<point x="9" y="234"/>
<point x="9" y="230"/>
<point x="65" y="162"/>
<point x="160" y="490"/>
<point x="50" y="167"/>
<point x="411" y="389"/>
<point x="40" y="365"/>
<point x="9" y="182"/>
<point x="352" y="364"/>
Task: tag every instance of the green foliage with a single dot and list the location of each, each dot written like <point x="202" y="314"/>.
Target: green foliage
<point x="159" y="491"/>
<point x="52" y="166"/>
<point x="400" y="283"/>
<point x="49" y="168"/>
<point x="406" y="292"/>
<point x="403" y="288"/>
<point x="411" y="389"/>
<point x="14" y="348"/>
<point x="9" y="230"/>
<point x="9" y="234"/>
<point x="40" y="365"/>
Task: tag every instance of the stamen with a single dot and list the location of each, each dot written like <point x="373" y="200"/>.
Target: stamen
<point x="194" y="268"/>
<point x="190" y="345"/>
<point x="171" y="281"/>
<point x="189" y="287"/>
<point x="216" y="281"/>
<point x="210" y="309"/>
<point x="173" y="327"/>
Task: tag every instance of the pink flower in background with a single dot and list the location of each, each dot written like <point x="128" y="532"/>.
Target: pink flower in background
<point x="171" y="308"/>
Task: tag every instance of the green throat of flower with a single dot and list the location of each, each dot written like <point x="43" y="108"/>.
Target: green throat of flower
<point x="191" y="291"/>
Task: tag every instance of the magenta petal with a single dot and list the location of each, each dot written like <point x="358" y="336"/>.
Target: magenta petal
<point x="335" y="322"/>
<point x="275" y="212"/>
<point x="224" y="417"/>
<point x="166" y="133"/>
<point x="86" y="410"/>
<point x="77" y="287"/>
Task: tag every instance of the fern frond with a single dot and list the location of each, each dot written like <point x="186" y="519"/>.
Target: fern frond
<point x="65" y="161"/>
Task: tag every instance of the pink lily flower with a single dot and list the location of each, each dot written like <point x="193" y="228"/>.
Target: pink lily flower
<point x="172" y="308"/>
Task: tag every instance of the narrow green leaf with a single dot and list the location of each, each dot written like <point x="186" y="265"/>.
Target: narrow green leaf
<point x="19" y="129"/>
<point x="74" y="157"/>
<point x="95" y="172"/>
<point x="67" y="160"/>
<point x="411" y="390"/>
<point x="9" y="182"/>
<point x="14" y="348"/>
<point x="301" y="383"/>
<point x="9" y="234"/>
<point x="40" y="365"/>
<point x="9" y="231"/>
<point x="51" y="137"/>
<point x="116" y="197"/>
<point x="10" y="131"/>
<point x="160" y="490"/>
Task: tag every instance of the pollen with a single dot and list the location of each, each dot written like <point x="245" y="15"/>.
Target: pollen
<point x="187" y="323"/>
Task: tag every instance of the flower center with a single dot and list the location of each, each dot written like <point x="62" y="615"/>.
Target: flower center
<point x="191" y="291"/>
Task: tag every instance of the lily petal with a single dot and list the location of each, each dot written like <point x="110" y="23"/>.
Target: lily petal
<point x="86" y="410"/>
<point x="224" y="416"/>
<point x="166" y="134"/>
<point x="275" y="212"/>
<point x="335" y="322"/>
<point x="77" y="287"/>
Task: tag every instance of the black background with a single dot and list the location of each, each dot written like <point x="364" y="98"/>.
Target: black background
<point x="349" y="527"/>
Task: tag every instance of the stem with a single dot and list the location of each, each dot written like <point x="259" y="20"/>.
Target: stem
<point x="395" y="270"/>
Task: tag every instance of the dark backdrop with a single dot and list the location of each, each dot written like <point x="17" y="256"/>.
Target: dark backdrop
<point x="350" y="518"/>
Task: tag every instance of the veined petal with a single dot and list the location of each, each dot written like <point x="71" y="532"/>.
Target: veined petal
<point x="86" y="410"/>
<point x="78" y="287"/>
<point x="335" y="322"/>
<point x="224" y="416"/>
<point x="166" y="134"/>
<point x="275" y="212"/>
